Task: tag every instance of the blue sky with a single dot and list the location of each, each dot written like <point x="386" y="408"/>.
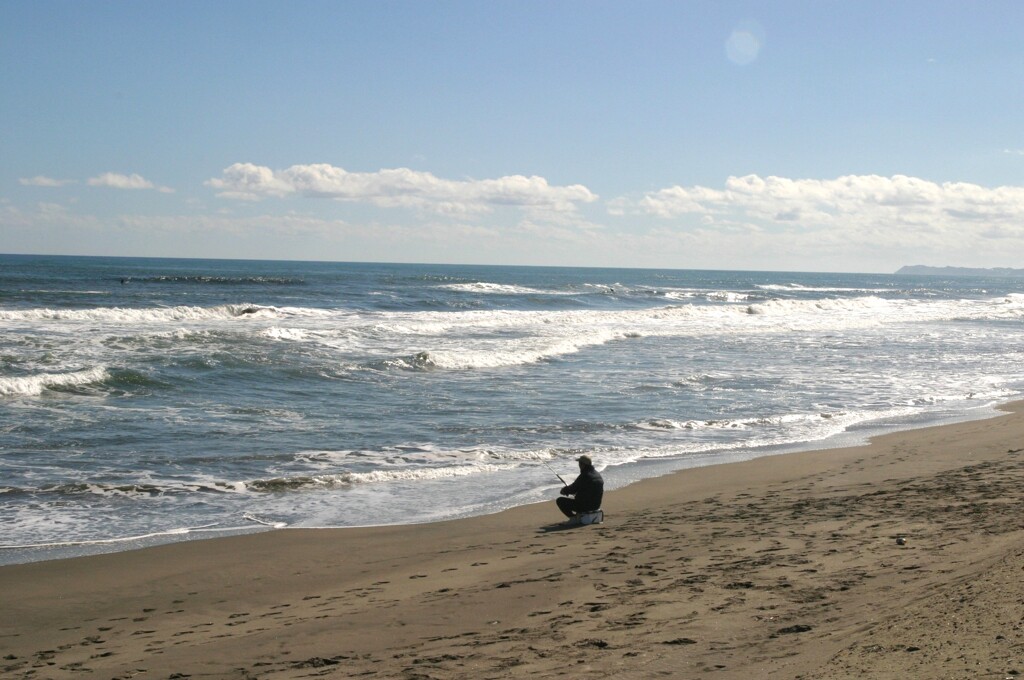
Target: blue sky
<point x="826" y="136"/>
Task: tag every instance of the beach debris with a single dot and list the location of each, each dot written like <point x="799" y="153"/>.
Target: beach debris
<point x="319" y="662"/>
<point x="901" y="540"/>
<point x="593" y="642"/>
<point x="739" y="585"/>
<point x="680" y="641"/>
<point x="798" y="628"/>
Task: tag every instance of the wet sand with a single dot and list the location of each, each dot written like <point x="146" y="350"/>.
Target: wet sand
<point x="780" y="567"/>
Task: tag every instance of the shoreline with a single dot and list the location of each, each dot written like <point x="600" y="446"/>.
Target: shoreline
<point x="782" y="566"/>
<point x="616" y="477"/>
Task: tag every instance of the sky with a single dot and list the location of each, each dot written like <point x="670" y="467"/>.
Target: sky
<point x="799" y="136"/>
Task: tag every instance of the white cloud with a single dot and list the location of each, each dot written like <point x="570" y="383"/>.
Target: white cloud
<point x="400" y="187"/>
<point x="41" y="181"/>
<point x="855" y="221"/>
<point x="850" y="223"/>
<point x="246" y="181"/>
<point x="846" y="201"/>
<point x="118" y="181"/>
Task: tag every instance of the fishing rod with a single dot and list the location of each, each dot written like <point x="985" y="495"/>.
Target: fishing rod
<point x="555" y="474"/>
<point x="544" y="463"/>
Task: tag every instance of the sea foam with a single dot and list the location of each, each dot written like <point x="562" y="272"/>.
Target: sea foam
<point x="34" y="385"/>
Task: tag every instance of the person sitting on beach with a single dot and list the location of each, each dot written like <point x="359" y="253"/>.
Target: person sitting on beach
<point x="588" y="490"/>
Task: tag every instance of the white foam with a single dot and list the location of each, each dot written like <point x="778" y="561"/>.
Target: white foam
<point x="265" y="522"/>
<point x="34" y="385"/>
<point x="421" y="454"/>
<point x="727" y="296"/>
<point x="286" y="334"/>
<point x="517" y="353"/>
<point x="771" y="431"/>
<point x="681" y="294"/>
<point x="844" y="309"/>
<point x="499" y="289"/>
<point x="179" y="531"/>
<point x="818" y="289"/>
<point x="495" y="338"/>
<point x="732" y="424"/>
<point x="500" y="338"/>
<point x="342" y="479"/>
<point x="65" y="292"/>
<point x="126" y="315"/>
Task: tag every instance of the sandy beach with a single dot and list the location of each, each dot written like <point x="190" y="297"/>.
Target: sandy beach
<point x="780" y="567"/>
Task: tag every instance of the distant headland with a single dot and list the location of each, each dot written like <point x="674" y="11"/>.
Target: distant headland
<point x="959" y="271"/>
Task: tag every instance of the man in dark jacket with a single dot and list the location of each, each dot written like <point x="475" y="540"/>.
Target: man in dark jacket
<point x="588" y="490"/>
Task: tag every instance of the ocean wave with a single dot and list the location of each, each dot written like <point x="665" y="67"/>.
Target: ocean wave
<point x="348" y="479"/>
<point x="983" y="393"/>
<point x="796" y="287"/>
<point x="324" y="480"/>
<point x="501" y="338"/>
<point x="622" y="290"/>
<point x="138" y="315"/>
<point x="848" y="307"/>
<point x="135" y="489"/>
<point x="827" y="312"/>
<point x="176" y="531"/>
<point x="499" y="289"/>
<point x="420" y="361"/>
<point x="682" y="295"/>
<point x="287" y="334"/>
<point x="424" y="455"/>
<point x="871" y="311"/>
<point x="218" y="280"/>
<point x="706" y="381"/>
<point x="34" y="385"/>
<point x="570" y="329"/>
<point x="727" y="296"/>
<point x="51" y="291"/>
<point x="499" y="354"/>
<point x="1009" y="307"/>
<point x="734" y="424"/>
<point x="501" y="358"/>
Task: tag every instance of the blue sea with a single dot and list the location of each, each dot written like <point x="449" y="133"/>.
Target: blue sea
<point x="154" y="400"/>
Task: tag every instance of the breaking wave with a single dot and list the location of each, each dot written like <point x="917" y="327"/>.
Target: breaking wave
<point x="35" y="385"/>
<point x="733" y="424"/>
<point x="796" y="287"/>
<point x="499" y="289"/>
<point x="220" y="280"/>
<point x="346" y="479"/>
<point x="499" y="354"/>
<point x="141" y="315"/>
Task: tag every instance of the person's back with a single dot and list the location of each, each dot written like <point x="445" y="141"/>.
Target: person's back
<point x="588" y="489"/>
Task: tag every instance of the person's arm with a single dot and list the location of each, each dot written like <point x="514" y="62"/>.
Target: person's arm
<point x="572" y="488"/>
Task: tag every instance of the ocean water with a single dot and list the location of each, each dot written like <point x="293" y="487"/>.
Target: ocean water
<point x="149" y="400"/>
